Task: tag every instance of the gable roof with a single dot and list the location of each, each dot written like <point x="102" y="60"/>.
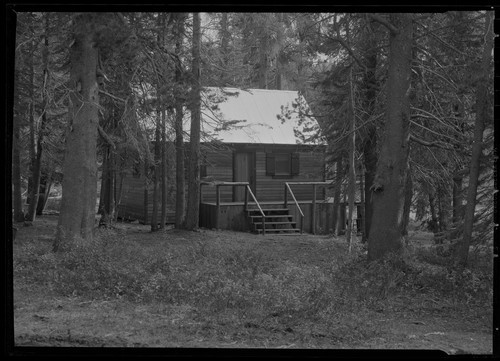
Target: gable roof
<point x="234" y="115"/>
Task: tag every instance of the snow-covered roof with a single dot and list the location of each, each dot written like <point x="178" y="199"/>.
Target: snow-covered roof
<point x="261" y="116"/>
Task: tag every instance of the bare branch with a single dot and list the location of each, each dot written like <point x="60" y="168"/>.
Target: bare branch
<point x="106" y="137"/>
<point x="428" y="144"/>
<point x="112" y="96"/>
<point x="348" y="48"/>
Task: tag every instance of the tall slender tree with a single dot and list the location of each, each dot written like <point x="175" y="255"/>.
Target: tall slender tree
<point x="179" y="99"/>
<point x="462" y="251"/>
<point x="37" y="161"/>
<point x="193" y="204"/>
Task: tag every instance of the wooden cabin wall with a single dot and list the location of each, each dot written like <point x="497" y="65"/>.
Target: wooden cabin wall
<point x="219" y="166"/>
<point x="271" y="188"/>
<point x="268" y="188"/>
<point x="131" y="206"/>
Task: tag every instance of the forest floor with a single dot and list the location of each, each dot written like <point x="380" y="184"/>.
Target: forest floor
<point x="223" y="289"/>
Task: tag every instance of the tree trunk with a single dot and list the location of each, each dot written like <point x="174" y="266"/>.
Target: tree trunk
<point x="16" y="157"/>
<point x="45" y="186"/>
<point x="263" y="58"/>
<point x="388" y="186"/>
<point x="336" y="198"/>
<point x="407" y="204"/>
<point x="32" y="126"/>
<point x="193" y="206"/>
<point x="458" y="213"/>
<point x="156" y="176"/>
<point x="433" y="223"/>
<point x="352" y="165"/>
<point x="79" y="186"/>
<point x="224" y="49"/>
<point x="146" y="192"/>
<point x="370" y="162"/>
<point x="37" y="165"/>
<point x="107" y="202"/>
<point x="163" y="185"/>
<point x="462" y="249"/>
<point x="180" y="180"/>
<point x="369" y="146"/>
<point x="443" y="202"/>
<point x="280" y="39"/>
<point x="361" y="213"/>
<point x="102" y="194"/>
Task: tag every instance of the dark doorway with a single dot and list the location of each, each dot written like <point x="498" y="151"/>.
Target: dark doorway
<point x="243" y="171"/>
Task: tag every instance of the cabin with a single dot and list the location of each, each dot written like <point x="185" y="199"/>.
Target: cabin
<point x="262" y="170"/>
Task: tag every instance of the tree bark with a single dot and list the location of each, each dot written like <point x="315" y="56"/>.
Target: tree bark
<point x="156" y="176"/>
<point x="462" y="249"/>
<point x="45" y="186"/>
<point x="388" y="186"/>
<point x="369" y="145"/>
<point x="433" y="223"/>
<point x="16" y="157"/>
<point x="146" y="192"/>
<point x="263" y="59"/>
<point x="164" y="163"/>
<point x="193" y="206"/>
<point x="37" y="164"/>
<point x="458" y="213"/>
<point x="336" y="198"/>
<point x="352" y="165"/>
<point x="180" y="180"/>
<point x="407" y="204"/>
<point x="443" y="204"/>
<point x="79" y="186"/>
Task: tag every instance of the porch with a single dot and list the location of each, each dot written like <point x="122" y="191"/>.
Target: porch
<point x="287" y="216"/>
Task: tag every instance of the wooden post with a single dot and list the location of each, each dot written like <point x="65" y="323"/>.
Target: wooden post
<point x="313" y="218"/>
<point x="286" y="197"/>
<point x="246" y="197"/>
<point x="301" y="224"/>
<point x="263" y="225"/>
<point x="217" y="203"/>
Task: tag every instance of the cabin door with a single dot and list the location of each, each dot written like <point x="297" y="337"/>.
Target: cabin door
<point x="243" y="171"/>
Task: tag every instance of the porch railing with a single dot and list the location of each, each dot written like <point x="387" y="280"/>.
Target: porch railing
<point x="248" y="191"/>
<point x="288" y="189"/>
<point x="313" y="209"/>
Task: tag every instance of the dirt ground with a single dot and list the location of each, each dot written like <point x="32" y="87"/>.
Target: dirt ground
<point x="42" y="318"/>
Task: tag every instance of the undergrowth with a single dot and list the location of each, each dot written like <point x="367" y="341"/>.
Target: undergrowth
<point x="215" y="281"/>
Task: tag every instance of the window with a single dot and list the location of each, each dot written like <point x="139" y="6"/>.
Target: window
<point x="282" y="164"/>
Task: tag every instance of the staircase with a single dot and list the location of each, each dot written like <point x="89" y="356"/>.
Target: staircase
<point x="277" y="221"/>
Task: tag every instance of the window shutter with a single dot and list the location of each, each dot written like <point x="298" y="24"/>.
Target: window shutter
<point x="270" y="165"/>
<point x="295" y="164"/>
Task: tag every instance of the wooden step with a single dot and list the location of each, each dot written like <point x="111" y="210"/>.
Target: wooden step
<point x="268" y="210"/>
<point x="278" y="230"/>
<point x="276" y="225"/>
<point x="271" y="222"/>
<point x="289" y="216"/>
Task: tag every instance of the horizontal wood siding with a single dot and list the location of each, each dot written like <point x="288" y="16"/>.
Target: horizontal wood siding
<point x="131" y="206"/>
<point x="271" y="188"/>
<point x="220" y="168"/>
